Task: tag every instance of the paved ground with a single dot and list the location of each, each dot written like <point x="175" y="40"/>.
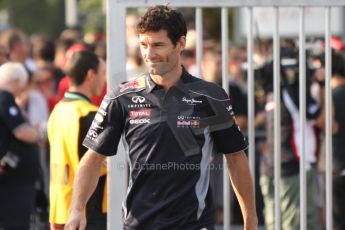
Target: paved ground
<point x="236" y="227"/>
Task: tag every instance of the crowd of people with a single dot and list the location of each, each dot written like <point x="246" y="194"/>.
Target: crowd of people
<point x="50" y="92"/>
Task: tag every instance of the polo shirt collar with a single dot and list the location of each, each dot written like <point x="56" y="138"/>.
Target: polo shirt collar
<point x="71" y="96"/>
<point x="151" y="85"/>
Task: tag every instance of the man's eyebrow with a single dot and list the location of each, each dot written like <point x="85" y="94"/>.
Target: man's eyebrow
<point x="158" y="43"/>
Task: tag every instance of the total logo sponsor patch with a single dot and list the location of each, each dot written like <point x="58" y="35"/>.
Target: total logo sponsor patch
<point x="139" y="121"/>
<point x="142" y="113"/>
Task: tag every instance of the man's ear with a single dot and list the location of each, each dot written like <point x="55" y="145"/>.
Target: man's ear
<point x="182" y="42"/>
<point x="90" y="75"/>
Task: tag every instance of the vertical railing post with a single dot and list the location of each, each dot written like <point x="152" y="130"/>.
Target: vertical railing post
<point x="199" y="32"/>
<point x="328" y="102"/>
<point x="302" y="121"/>
<point x="225" y="83"/>
<point x="277" y="130"/>
<point x="251" y="104"/>
<point x="116" y="73"/>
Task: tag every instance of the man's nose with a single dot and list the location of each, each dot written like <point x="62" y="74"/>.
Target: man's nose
<point x="150" y="53"/>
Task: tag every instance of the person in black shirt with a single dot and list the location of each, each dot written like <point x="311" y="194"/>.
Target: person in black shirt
<point x="18" y="154"/>
<point x="171" y="123"/>
<point x="338" y="92"/>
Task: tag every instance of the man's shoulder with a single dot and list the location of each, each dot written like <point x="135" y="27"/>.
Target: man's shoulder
<point x="6" y="101"/>
<point x="205" y="88"/>
<point x="5" y="95"/>
<point x="133" y="86"/>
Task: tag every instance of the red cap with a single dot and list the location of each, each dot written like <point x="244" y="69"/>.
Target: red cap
<point x="336" y="43"/>
<point x="71" y="50"/>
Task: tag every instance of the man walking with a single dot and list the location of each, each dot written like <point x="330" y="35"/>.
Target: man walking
<point x="171" y="123"/>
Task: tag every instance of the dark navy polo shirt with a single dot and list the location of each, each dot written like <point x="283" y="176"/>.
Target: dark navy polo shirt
<point x="170" y="136"/>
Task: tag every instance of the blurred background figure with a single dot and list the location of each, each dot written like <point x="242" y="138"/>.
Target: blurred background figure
<point x="19" y="159"/>
<point x="17" y="45"/>
<point x="338" y="91"/>
<point x="134" y="64"/>
<point x="290" y="145"/>
<point x="87" y="78"/>
<point x="4" y="54"/>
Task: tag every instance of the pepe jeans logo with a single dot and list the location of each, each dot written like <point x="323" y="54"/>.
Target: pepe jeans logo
<point x="191" y="101"/>
<point x="138" y="99"/>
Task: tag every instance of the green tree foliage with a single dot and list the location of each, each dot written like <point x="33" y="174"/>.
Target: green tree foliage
<point x="36" y="16"/>
<point x="91" y="15"/>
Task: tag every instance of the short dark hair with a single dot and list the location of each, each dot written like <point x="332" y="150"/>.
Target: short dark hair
<point x="163" y="17"/>
<point x="79" y="64"/>
<point x="338" y="63"/>
<point x="44" y="49"/>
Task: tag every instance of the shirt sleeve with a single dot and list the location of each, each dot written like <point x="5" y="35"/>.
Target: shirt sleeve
<point x="227" y="137"/>
<point x="106" y="128"/>
<point x="10" y="113"/>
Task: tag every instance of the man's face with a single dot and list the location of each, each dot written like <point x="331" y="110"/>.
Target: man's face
<point x="159" y="53"/>
<point x="99" y="79"/>
<point x="22" y="49"/>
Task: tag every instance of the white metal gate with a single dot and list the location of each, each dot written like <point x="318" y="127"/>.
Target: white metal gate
<point x="116" y="51"/>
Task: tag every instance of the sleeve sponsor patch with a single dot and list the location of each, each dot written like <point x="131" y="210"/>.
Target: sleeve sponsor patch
<point x="138" y="83"/>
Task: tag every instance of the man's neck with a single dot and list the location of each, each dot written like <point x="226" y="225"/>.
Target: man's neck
<point x="168" y="80"/>
<point x="17" y="58"/>
<point x="80" y="89"/>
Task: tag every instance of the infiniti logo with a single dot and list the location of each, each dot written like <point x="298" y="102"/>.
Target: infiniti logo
<point x="138" y="99"/>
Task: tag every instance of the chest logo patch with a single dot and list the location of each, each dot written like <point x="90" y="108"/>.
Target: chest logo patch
<point x="139" y="113"/>
<point x="138" y="99"/>
<point x="191" y="101"/>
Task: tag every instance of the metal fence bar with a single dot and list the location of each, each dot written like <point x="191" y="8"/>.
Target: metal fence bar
<point x="116" y="12"/>
<point x="233" y="3"/>
<point x="199" y="32"/>
<point x="329" y="157"/>
<point x="71" y="13"/>
<point x="277" y="148"/>
<point x="302" y="121"/>
<point x="250" y="87"/>
<point x="116" y="73"/>
<point x="225" y="83"/>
